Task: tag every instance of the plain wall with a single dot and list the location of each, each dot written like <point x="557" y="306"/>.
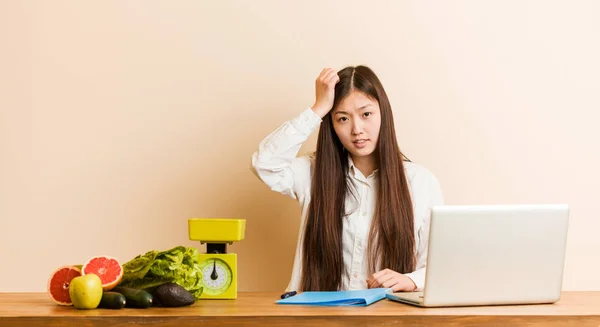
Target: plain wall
<point x="119" y="120"/>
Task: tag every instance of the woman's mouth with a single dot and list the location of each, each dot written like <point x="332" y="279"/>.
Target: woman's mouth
<point x="360" y="143"/>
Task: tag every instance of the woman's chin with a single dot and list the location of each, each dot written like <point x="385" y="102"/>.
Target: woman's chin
<point x="362" y="152"/>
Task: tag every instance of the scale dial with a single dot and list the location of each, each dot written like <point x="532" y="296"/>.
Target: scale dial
<point x="216" y="276"/>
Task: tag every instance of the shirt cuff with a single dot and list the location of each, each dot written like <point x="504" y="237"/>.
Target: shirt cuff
<point x="418" y="277"/>
<point x="306" y="122"/>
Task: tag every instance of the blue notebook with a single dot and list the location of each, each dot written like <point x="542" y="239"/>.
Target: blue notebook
<point x="339" y="298"/>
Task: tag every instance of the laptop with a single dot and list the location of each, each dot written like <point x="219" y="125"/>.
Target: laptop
<point x="493" y="255"/>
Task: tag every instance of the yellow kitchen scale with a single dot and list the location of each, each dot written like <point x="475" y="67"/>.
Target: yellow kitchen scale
<point x="219" y="268"/>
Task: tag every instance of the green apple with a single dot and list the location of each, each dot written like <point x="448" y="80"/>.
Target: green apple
<point x="86" y="291"/>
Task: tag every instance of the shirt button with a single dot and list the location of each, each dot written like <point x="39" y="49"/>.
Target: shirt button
<point x="355" y="275"/>
<point x="364" y="214"/>
<point x="359" y="243"/>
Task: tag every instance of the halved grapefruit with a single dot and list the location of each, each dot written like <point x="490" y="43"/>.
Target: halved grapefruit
<point x="107" y="268"/>
<point x="58" y="284"/>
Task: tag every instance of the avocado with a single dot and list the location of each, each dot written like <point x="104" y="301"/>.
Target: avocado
<point x="173" y="295"/>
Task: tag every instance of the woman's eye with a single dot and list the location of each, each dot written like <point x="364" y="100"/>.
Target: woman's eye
<point x="367" y="114"/>
<point x="343" y="119"/>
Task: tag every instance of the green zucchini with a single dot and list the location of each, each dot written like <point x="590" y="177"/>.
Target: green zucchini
<point x="112" y="300"/>
<point x="135" y="298"/>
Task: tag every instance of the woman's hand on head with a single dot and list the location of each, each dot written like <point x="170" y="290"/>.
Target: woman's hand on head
<point x="388" y="278"/>
<point x="325" y="91"/>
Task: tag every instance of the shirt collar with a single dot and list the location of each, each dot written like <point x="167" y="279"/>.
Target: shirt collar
<point x="356" y="173"/>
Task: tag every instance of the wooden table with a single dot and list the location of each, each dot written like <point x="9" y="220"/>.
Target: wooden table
<point x="259" y="309"/>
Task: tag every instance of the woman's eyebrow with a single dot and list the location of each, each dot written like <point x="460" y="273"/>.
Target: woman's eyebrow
<point x="342" y="112"/>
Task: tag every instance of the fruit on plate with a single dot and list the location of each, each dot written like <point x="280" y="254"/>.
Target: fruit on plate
<point x="107" y="268"/>
<point x="59" y="283"/>
<point x="86" y="291"/>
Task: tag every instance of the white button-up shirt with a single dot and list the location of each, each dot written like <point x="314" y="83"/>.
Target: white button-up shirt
<point x="277" y="165"/>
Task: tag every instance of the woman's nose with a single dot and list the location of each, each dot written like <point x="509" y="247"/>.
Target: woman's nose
<point x="356" y="127"/>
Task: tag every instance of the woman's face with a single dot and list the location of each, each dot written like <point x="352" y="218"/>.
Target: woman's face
<point x="356" y="121"/>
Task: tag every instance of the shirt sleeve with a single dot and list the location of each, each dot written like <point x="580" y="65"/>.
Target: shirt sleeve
<point x="435" y="199"/>
<point x="275" y="162"/>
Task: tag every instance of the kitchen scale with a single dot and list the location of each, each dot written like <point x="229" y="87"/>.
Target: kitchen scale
<point x="219" y="268"/>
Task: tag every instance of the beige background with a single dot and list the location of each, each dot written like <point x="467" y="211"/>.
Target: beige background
<point x="119" y="120"/>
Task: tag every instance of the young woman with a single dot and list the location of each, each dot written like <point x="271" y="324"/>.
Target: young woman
<point x="365" y="207"/>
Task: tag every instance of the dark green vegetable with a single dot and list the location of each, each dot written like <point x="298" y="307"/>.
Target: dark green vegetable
<point x="112" y="300"/>
<point x="135" y="298"/>
<point x="173" y="295"/>
<point x="178" y="265"/>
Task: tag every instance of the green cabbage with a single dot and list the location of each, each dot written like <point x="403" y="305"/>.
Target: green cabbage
<point x="178" y="265"/>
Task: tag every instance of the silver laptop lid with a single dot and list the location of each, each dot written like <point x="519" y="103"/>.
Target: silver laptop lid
<point x="496" y="254"/>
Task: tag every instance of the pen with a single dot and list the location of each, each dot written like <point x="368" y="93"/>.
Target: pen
<point x="288" y="294"/>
